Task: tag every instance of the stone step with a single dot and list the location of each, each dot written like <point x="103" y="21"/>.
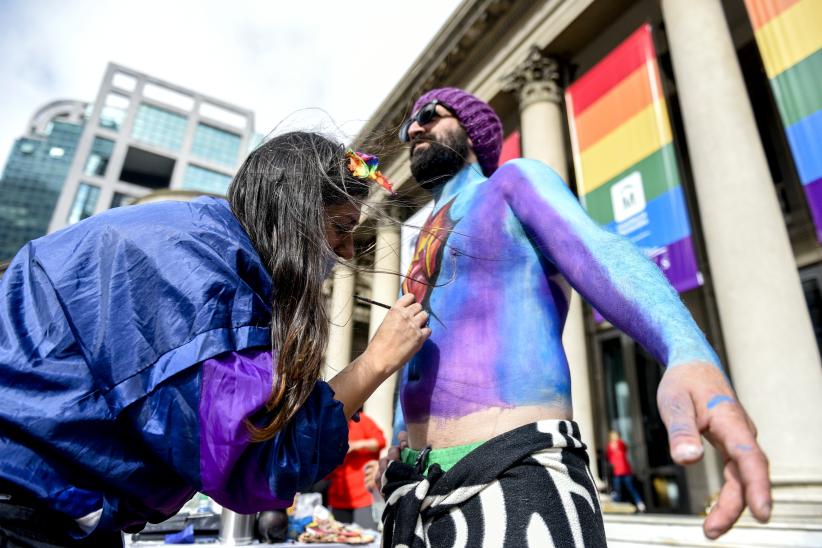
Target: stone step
<point x="645" y="530"/>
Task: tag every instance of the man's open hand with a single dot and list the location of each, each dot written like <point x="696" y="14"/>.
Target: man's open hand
<point x="694" y="399"/>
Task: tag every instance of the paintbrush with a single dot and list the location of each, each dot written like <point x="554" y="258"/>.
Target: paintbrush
<point x="369" y="301"/>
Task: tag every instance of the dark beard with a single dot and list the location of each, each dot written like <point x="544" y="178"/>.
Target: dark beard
<point x="435" y="164"/>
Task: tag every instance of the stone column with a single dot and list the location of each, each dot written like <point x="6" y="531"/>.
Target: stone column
<point x="385" y="288"/>
<point x="341" y="319"/>
<point x="542" y="123"/>
<point x="772" y="353"/>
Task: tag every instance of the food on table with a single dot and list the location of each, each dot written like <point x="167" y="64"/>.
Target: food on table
<point x="331" y="531"/>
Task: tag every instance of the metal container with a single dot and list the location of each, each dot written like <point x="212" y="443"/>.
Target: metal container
<point x="236" y="529"/>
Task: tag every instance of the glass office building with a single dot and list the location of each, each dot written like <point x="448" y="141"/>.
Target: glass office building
<point x="35" y="172"/>
<point x="140" y="136"/>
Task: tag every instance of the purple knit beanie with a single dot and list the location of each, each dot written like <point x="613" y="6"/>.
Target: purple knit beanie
<point x="478" y="119"/>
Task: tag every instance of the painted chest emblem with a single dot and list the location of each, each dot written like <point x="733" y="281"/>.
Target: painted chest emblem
<point x="427" y="260"/>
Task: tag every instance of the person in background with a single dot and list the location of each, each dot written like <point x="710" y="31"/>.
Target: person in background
<point x="617" y="455"/>
<point x="348" y="495"/>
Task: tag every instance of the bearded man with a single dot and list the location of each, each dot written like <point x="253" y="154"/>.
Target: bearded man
<point x="494" y="457"/>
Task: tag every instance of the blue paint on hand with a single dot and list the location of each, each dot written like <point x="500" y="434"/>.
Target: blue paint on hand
<point x="716" y="400"/>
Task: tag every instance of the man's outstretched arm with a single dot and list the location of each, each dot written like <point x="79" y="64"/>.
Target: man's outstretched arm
<point x="630" y="291"/>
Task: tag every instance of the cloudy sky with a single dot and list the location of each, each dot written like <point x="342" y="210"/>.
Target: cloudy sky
<point x="273" y="57"/>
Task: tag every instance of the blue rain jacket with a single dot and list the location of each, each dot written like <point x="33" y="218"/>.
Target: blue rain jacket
<point x="104" y="327"/>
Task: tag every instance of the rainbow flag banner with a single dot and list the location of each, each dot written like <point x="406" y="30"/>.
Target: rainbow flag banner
<point x="789" y="36"/>
<point x="627" y="173"/>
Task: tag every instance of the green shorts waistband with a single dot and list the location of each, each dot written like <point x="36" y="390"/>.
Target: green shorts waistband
<point x="446" y="457"/>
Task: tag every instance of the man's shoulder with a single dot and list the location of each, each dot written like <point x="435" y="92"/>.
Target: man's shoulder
<point x="519" y="171"/>
<point x="533" y="170"/>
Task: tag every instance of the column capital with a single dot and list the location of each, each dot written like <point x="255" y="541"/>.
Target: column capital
<point x="535" y="79"/>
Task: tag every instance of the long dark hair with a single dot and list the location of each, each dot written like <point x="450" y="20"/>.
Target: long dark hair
<point x="279" y="196"/>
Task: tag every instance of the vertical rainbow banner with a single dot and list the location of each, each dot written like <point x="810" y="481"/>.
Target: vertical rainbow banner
<point x="627" y="173"/>
<point x="789" y="36"/>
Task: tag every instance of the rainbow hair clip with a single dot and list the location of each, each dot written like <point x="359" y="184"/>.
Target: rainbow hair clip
<point x="365" y="166"/>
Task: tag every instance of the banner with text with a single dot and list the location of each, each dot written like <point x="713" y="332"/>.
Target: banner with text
<point x="627" y="174"/>
<point x="789" y="36"/>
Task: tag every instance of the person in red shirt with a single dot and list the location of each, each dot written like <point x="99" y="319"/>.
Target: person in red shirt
<point x="348" y="495"/>
<point x="617" y="454"/>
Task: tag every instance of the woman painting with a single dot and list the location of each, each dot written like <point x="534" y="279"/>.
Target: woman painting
<point x="154" y="351"/>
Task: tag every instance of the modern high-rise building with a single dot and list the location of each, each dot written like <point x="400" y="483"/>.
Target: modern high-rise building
<point x="35" y="172"/>
<point x="146" y="135"/>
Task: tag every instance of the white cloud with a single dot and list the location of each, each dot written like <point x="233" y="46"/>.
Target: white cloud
<point x="271" y="57"/>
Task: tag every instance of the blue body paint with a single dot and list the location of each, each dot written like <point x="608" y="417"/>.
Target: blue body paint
<point x="494" y="267"/>
<point x="716" y="400"/>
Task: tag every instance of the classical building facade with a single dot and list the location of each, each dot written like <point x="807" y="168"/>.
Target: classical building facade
<point x="757" y="260"/>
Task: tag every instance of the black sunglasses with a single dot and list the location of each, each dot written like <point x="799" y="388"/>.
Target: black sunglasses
<point x="423" y="116"/>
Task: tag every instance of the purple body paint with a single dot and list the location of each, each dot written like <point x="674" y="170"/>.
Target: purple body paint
<point x="500" y="303"/>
